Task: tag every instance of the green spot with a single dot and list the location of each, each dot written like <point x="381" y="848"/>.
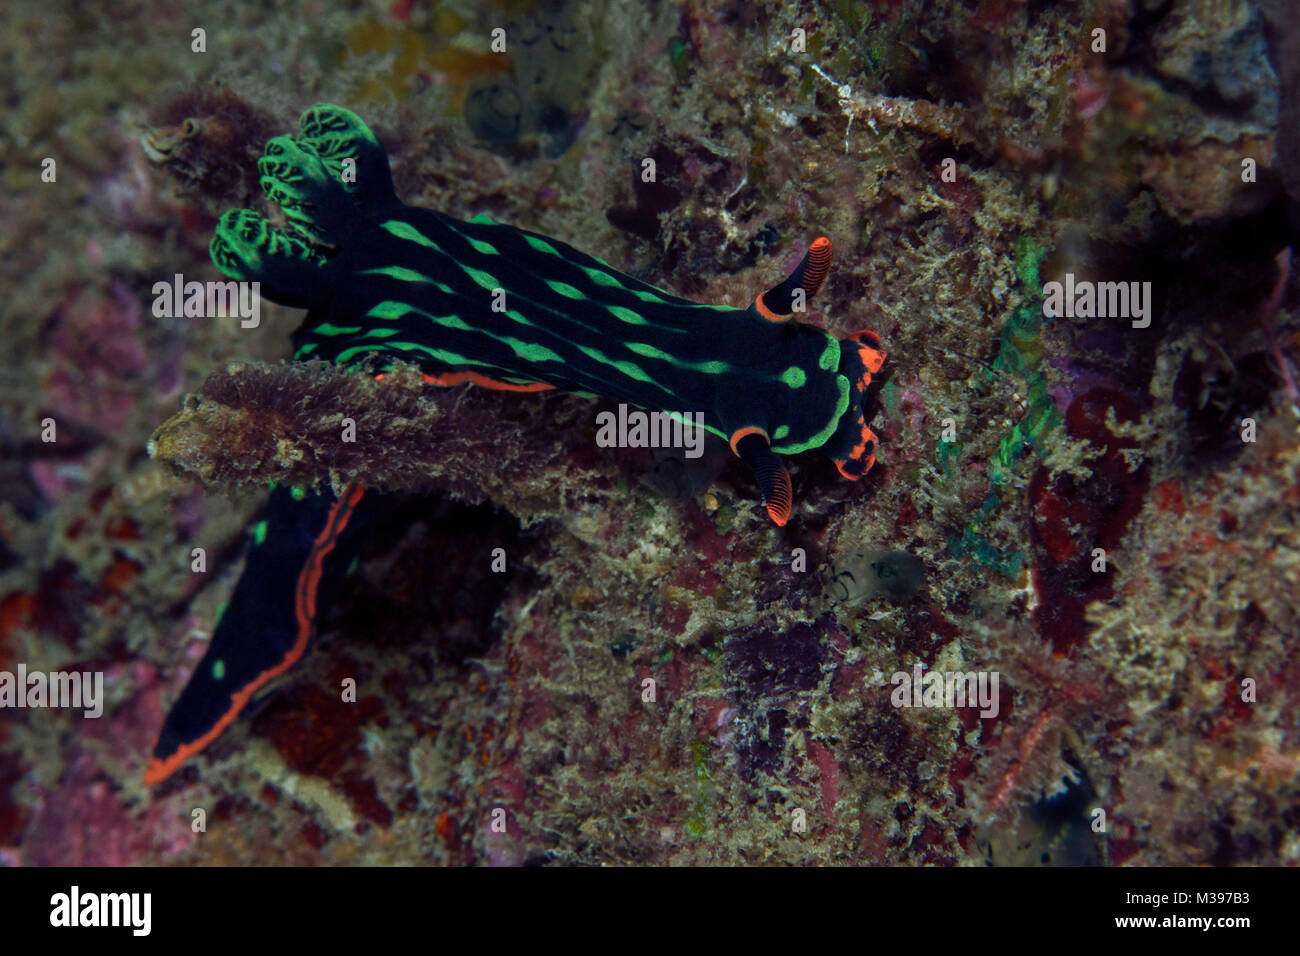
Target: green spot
<point x="647" y="296"/>
<point x="690" y="423"/>
<point x="396" y="310"/>
<point x="627" y="368"/>
<point x="297" y="494"/>
<point x="486" y="248"/>
<point x="566" y="290"/>
<point x="823" y="436"/>
<point x="649" y="351"/>
<point x="602" y="278"/>
<point x="449" y="321"/>
<point x="794" y="377"/>
<point x="404" y="230"/>
<point x="532" y="352"/>
<point x="482" y="219"/>
<point x="626" y="315"/>
<point x="781" y="432"/>
<point x="403" y="274"/>
<point x="325" y="328"/>
<point x="259" y="533"/>
<point x="218" y="669"/>
<point x="358" y="349"/>
<point x="830" y="357"/>
<point x="485" y="279"/>
<point x="389" y="310"/>
<point x="541" y="245"/>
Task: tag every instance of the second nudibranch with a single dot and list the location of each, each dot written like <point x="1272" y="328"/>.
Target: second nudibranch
<point x="504" y="308"/>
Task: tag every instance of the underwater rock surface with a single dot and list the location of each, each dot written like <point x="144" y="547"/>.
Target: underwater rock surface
<point x="1102" y="514"/>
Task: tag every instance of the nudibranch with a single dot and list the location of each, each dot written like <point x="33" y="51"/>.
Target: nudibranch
<point x="509" y="309"/>
<point x="502" y="308"/>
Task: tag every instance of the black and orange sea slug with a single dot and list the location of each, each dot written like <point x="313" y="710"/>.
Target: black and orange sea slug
<point x="502" y="308"/>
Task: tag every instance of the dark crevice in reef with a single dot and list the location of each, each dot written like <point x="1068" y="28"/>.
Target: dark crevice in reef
<point x="424" y="578"/>
<point x="1199" y="277"/>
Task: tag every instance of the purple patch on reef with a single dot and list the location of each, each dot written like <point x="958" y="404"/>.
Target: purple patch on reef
<point x="1102" y="343"/>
